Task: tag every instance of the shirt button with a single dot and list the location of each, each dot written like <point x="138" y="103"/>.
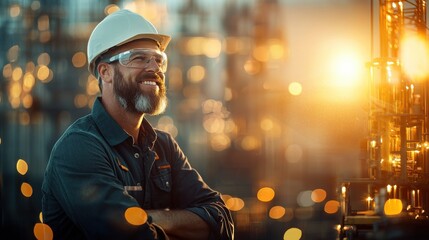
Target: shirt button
<point x="136" y="155"/>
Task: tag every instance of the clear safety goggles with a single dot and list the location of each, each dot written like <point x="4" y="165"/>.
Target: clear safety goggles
<point x="140" y="58"/>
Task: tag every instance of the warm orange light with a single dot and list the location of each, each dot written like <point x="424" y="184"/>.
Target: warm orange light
<point x="295" y="88"/>
<point x="41" y="217"/>
<point x="80" y="100"/>
<point x="27" y="101"/>
<point x="346" y="69"/>
<point x="136" y="216"/>
<point x="276" y="49"/>
<point x="267" y="124"/>
<point x="250" y="143"/>
<point x="14" y="10"/>
<point x="393" y="206"/>
<point x="196" y="73"/>
<point x="22" y="166"/>
<point x="292" y="234"/>
<point x="234" y="204"/>
<point x="261" y="53"/>
<point x="92" y="86"/>
<point x="28" y="82"/>
<point x="79" y="59"/>
<point x="44" y="59"/>
<point x="7" y="70"/>
<point x="220" y="142"/>
<point x="318" y="195"/>
<point x="43" y="231"/>
<point x="252" y="67"/>
<point x="265" y="194"/>
<point x="15" y="90"/>
<point x="294" y="153"/>
<point x="331" y="206"/>
<point x="43" y="23"/>
<point x="212" y="47"/>
<point x="26" y="189"/>
<point x="414" y="56"/>
<point x="16" y="74"/>
<point x="111" y="8"/>
<point x="277" y="212"/>
<point x="225" y="197"/>
<point x="43" y="73"/>
<point x="214" y="124"/>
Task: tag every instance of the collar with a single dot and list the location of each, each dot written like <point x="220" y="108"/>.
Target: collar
<point x="110" y="129"/>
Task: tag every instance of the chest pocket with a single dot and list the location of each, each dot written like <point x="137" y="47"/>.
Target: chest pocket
<point x="162" y="175"/>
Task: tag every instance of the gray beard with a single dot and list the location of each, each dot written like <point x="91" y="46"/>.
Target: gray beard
<point x="149" y="103"/>
<point x="143" y="104"/>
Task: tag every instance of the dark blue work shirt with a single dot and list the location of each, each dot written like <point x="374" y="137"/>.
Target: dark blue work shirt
<point x="95" y="173"/>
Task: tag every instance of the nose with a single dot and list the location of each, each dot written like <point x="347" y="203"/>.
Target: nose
<point x="152" y="65"/>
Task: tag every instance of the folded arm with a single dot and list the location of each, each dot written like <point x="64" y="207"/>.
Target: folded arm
<point x="180" y="224"/>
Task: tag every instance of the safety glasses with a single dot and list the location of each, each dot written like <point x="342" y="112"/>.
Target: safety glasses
<point x="140" y="58"/>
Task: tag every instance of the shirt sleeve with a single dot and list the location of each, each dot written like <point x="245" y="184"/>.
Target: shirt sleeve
<point x="192" y="193"/>
<point x="81" y="179"/>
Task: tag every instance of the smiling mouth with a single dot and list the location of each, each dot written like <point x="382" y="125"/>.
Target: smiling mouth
<point x="151" y="83"/>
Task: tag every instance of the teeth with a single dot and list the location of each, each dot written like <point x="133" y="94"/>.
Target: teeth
<point x="149" y="83"/>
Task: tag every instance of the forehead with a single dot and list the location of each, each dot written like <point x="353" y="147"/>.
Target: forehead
<point x="140" y="43"/>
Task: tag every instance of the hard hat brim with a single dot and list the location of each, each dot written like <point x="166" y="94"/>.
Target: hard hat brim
<point x="161" y="39"/>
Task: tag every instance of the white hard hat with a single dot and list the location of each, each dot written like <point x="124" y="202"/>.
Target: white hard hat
<point x="118" y="28"/>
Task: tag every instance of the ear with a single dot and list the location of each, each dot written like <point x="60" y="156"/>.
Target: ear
<point x="105" y="71"/>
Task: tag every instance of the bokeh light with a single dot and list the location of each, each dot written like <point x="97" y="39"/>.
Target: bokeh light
<point x="212" y="47"/>
<point x="79" y="59"/>
<point x="234" y="204"/>
<point x="332" y="206"/>
<point x="43" y="73"/>
<point x="44" y="59"/>
<point x="277" y="212"/>
<point x="21" y="166"/>
<point x="295" y="88"/>
<point x="267" y="124"/>
<point x="265" y="194"/>
<point x="252" y="67"/>
<point x="26" y="189"/>
<point x="111" y="8"/>
<point x="250" y="143"/>
<point x="220" y="142"/>
<point x="393" y="206"/>
<point x="304" y="199"/>
<point x="28" y="82"/>
<point x="292" y="234"/>
<point x="14" y="10"/>
<point x="17" y="74"/>
<point x="43" y="232"/>
<point x="318" y="195"/>
<point x="80" y="100"/>
<point x="135" y="216"/>
<point x="196" y="73"/>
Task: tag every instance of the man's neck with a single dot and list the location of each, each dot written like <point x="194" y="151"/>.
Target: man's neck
<point x="129" y="121"/>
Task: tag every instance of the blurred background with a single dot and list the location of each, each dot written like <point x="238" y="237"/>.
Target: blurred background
<point x="268" y="99"/>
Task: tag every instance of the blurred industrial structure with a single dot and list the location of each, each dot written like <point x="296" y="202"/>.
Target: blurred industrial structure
<point x="396" y="184"/>
<point x="277" y="147"/>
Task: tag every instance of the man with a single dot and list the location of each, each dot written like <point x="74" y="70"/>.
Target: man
<point x="111" y="175"/>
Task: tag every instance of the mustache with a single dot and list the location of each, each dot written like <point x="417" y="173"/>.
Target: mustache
<point x="152" y="75"/>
